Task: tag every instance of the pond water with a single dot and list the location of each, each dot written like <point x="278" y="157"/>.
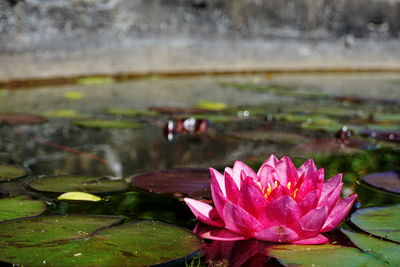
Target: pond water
<point x="96" y="135"/>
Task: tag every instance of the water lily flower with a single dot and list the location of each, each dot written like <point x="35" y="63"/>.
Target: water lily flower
<point x="279" y="203"/>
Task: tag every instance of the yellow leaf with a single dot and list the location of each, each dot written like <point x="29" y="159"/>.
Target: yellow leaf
<point x="78" y="196"/>
<point x="74" y="95"/>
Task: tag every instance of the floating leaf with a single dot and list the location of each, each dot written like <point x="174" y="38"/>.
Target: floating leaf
<point x="74" y="95"/>
<point x="130" y="112"/>
<point x="216" y="118"/>
<point x="321" y="255"/>
<point x="109" y="124"/>
<point x="65" y="183"/>
<point x="63" y="113"/>
<point x="11" y="172"/>
<point x="267" y="135"/>
<point x="78" y="196"/>
<point x="178" y="182"/>
<point x="379" y="221"/>
<point x="214" y="106"/>
<point x="95" y="80"/>
<point x="17" y="118"/>
<point x="20" y="206"/>
<point x="79" y="240"/>
<point x="179" y="110"/>
<point x="386" y="251"/>
<point x="389" y="181"/>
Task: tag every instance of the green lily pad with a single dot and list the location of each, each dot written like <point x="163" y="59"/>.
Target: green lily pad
<point x="321" y="255"/>
<point x="66" y="183"/>
<point x="63" y="113"/>
<point x="386" y="251"/>
<point x="214" y="106"/>
<point x="216" y="118"/>
<point x="109" y="124"/>
<point x="84" y="241"/>
<point x="379" y="221"/>
<point x="95" y="80"/>
<point x="74" y="95"/>
<point x="11" y="172"/>
<point x="20" y="206"/>
<point x="130" y="112"/>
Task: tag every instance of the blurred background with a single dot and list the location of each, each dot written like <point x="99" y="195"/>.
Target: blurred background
<point x="58" y="38"/>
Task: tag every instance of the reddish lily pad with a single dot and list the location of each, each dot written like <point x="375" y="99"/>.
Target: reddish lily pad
<point x="386" y="251"/>
<point x="79" y="240"/>
<point x="389" y="181"/>
<point x="11" y="172"/>
<point x="392" y="136"/>
<point x="177" y="182"/>
<point x="17" y="118"/>
<point x="68" y="183"/>
<point x="20" y="206"/>
<point x="379" y="221"/>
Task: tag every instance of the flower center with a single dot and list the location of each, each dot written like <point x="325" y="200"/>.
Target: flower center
<point x="268" y="190"/>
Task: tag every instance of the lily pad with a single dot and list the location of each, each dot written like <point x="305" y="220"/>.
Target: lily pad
<point x="66" y="183"/>
<point x="78" y="196"/>
<point x="389" y="181"/>
<point x="321" y="255"/>
<point x="177" y="182"/>
<point x="109" y="124"/>
<point x="79" y="240"/>
<point x="95" y="80"/>
<point x="216" y="118"/>
<point x="179" y="110"/>
<point x="19" y="118"/>
<point x="73" y="95"/>
<point x="214" y="106"/>
<point x="130" y="112"/>
<point x="20" y="206"/>
<point x="11" y="172"/>
<point x="63" y="113"/>
<point x="379" y="221"/>
<point x="386" y="251"/>
<point x="266" y="135"/>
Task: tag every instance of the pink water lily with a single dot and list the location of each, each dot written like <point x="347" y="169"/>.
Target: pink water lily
<point x="279" y="203"/>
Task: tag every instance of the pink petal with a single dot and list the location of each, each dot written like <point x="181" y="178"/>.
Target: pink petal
<point x="317" y="240"/>
<point x="331" y="198"/>
<point x="204" y="212"/>
<point x="251" y="198"/>
<point x="278" y="192"/>
<point x="309" y="202"/>
<point x="218" y="234"/>
<point x="306" y="187"/>
<point x="238" y="220"/>
<point x="271" y="161"/>
<point x="219" y="178"/>
<point x="314" y="220"/>
<point x="282" y="211"/>
<point x="339" y="213"/>
<point x="239" y="166"/>
<point x="286" y="171"/>
<point x="279" y="234"/>
<point x="267" y="175"/>
<point x="231" y="188"/>
<point x="331" y="184"/>
<point x="308" y="170"/>
<point x="218" y="197"/>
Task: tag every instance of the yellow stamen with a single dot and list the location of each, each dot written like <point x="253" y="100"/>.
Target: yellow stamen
<point x="295" y="193"/>
<point x="269" y="189"/>
<point x="289" y="185"/>
<point x="275" y="184"/>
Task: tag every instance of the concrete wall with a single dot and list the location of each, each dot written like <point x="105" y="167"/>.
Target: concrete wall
<point x="45" y="38"/>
